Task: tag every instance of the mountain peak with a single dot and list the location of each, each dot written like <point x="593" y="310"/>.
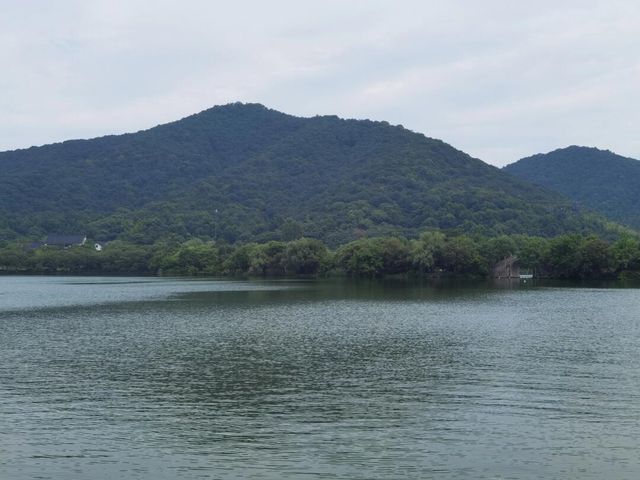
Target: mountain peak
<point x="598" y="179"/>
<point x="242" y="171"/>
<point x="574" y="149"/>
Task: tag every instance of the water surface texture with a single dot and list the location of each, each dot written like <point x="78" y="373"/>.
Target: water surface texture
<point x="137" y="378"/>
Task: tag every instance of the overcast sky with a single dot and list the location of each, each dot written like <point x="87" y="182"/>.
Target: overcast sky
<point x="497" y="79"/>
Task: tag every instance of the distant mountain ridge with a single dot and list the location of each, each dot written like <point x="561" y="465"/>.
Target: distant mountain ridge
<point x="598" y="179"/>
<point x="243" y="172"/>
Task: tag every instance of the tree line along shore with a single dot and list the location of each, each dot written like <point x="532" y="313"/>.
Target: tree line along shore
<point x="432" y="254"/>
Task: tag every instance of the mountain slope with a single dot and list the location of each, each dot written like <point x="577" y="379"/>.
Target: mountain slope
<point x="598" y="179"/>
<point x="244" y="172"/>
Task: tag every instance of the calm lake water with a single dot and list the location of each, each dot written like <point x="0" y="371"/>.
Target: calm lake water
<point x="144" y="378"/>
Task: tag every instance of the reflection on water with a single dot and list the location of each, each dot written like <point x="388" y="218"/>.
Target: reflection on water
<point x="168" y="378"/>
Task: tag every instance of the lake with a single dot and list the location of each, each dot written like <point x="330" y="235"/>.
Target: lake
<point x="160" y="378"/>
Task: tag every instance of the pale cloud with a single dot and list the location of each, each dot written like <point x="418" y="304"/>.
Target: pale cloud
<point x="498" y="79"/>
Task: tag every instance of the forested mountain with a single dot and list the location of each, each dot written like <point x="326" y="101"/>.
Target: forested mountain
<point x="242" y="172"/>
<point x="598" y="179"/>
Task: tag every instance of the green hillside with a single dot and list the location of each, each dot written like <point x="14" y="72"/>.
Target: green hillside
<point x="597" y="179"/>
<point x="243" y="172"/>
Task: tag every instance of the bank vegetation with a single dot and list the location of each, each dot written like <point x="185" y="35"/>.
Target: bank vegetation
<point x="433" y="254"/>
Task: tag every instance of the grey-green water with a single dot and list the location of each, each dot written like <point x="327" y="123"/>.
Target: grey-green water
<point x="105" y="378"/>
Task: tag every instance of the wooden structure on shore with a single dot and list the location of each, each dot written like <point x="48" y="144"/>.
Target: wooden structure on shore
<point x="507" y="268"/>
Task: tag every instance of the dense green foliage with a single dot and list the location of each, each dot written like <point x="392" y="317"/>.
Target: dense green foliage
<point x="598" y="179"/>
<point x="432" y="254"/>
<point x="244" y="173"/>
